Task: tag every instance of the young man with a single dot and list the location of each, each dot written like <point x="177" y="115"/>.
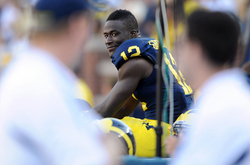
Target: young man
<point x="220" y="132"/>
<point x="40" y="119"/>
<point x="134" y="58"/>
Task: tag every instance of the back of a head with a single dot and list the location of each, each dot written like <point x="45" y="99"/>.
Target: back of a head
<point x="126" y="16"/>
<point x="218" y="34"/>
<point x="51" y="13"/>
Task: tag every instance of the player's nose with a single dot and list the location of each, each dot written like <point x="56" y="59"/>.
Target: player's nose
<point x="108" y="40"/>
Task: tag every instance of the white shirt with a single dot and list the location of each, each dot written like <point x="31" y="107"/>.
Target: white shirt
<point x="221" y="132"/>
<point x="221" y="5"/>
<point x="40" y="120"/>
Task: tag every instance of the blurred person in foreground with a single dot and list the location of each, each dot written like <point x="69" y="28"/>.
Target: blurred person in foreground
<point x="40" y="119"/>
<point x="135" y="58"/>
<point x="220" y="132"/>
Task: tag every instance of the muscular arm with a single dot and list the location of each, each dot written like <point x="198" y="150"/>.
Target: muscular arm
<point x="129" y="76"/>
<point x="127" y="108"/>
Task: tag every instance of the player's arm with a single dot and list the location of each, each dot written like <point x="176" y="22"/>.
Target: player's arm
<point x="129" y="76"/>
<point x="127" y="108"/>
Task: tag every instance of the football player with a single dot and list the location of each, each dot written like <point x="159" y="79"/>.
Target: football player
<point x="135" y="58"/>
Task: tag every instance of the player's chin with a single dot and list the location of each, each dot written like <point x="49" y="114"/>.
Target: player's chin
<point x="111" y="53"/>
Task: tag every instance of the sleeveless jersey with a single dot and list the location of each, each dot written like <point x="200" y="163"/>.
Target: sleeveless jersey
<point x="146" y="89"/>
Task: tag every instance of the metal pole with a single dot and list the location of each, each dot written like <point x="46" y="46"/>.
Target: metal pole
<point x="159" y="92"/>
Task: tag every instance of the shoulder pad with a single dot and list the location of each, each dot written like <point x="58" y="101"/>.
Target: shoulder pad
<point x="137" y="47"/>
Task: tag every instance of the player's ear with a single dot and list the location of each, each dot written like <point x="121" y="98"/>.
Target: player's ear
<point x="134" y="33"/>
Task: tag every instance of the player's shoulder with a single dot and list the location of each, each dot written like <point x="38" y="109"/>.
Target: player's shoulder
<point x="137" y="47"/>
<point x="140" y="42"/>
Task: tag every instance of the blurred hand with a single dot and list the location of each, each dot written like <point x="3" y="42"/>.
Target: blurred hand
<point x="115" y="149"/>
<point x="171" y="144"/>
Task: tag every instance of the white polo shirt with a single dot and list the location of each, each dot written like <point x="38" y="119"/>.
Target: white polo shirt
<point x="40" y="120"/>
<point x="221" y="132"/>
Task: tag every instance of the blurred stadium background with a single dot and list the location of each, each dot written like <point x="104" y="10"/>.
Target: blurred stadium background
<point x="96" y="73"/>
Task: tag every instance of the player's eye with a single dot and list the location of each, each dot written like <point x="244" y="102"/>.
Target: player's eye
<point x="105" y="36"/>
<point x="114" y="34"/>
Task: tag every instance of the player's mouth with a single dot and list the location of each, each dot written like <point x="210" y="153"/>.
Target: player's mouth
<point x="111" y="48"/>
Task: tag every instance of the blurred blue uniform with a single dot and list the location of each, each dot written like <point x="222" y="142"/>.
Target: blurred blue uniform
<point x="146" y="89"/>
<point x="248" y="78"/>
